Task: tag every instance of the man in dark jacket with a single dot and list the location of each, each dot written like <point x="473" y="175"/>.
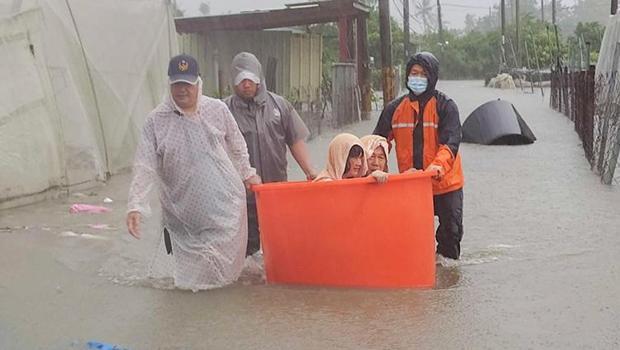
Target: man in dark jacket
<point x="270" y="125"/>
<point x="426" y="128"/>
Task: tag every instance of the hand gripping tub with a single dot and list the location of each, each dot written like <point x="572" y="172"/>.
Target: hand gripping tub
<point x="349" y="233"/>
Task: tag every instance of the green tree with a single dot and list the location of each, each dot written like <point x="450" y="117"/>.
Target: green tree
<point x="470" y="22"/>
<point x="590" y="32"/>
<point x="582" y="11"/>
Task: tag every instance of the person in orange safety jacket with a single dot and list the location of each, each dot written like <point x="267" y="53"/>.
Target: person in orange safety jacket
<point x="426" y="128"/>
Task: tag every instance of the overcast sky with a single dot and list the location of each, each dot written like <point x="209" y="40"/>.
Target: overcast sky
<point x="453" y="11"/>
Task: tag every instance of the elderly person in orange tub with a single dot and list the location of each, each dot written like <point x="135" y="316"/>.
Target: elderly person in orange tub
<point x="346" y="159"/>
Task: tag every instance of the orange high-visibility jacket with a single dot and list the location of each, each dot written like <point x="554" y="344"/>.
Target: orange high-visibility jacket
<point x="403" y="123"/>
<point x="426" y="128"/>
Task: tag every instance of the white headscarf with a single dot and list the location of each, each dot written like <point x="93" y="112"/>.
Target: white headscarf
<point x="337" y="156"/>
<point x="168" y="99"/>
<point x="371" y="142"/>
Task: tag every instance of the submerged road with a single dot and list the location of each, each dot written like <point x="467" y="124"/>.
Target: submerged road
<point x="539" y="267"/>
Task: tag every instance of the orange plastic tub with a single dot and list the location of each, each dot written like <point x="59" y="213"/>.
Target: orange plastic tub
<point x="349" y="233"/>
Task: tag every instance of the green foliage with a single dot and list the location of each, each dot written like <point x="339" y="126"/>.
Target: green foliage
<point x="475" y="52"/>
<point x="331" y="44"/>
<point x="590" y="32"/>
<point x="472" y="55"/>
<point x="584" y="11"/>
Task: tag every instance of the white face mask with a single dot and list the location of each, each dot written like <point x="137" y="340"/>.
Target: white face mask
<point x="417" y="85"/>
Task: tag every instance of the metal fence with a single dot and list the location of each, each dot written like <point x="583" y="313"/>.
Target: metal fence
<point x="593" y="104"/>
<point x="572" y="93"/>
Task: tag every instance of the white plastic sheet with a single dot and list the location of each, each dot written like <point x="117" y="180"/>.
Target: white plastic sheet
<point x="77" y="79"/>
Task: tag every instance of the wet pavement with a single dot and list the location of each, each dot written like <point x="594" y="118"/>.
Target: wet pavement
<point x="539" y="267"/>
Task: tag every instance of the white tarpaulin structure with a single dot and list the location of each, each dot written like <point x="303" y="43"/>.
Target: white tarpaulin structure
<point x="606" y="142"/>
<point x="77" y="79"/>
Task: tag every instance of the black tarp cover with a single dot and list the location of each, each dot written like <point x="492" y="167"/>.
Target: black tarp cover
<point x="497" y="123"/>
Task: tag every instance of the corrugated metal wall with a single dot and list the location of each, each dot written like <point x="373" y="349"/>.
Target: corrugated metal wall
<point x="305" y="68"/>
<point x="297" y="56"/>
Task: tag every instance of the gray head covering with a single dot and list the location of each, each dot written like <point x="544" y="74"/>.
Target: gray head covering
<point x="245" y="62"/>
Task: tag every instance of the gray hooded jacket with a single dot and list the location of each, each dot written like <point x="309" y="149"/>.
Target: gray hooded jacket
<point x="268" y="123"/>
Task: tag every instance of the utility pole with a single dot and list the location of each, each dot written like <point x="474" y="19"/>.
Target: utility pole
<point x="504" y="63"/>
<point x="490" y="13"/>
<point x="614" y="7"/>
<point x="503" y="13"/>
<point x="439" y="23"/>
<point x="407" y="44"/>
<point x="517" y="31"/>
<point x="555" y="30"/>
<point x="542" y="11"/>
<point x="385" y="36"/>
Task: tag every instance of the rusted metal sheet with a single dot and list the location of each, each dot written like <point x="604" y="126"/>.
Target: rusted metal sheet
<point x="291" y="60"/>
<point x="317" y="12"/>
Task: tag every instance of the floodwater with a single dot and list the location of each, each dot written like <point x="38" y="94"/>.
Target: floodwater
<point x="539" y="267"/>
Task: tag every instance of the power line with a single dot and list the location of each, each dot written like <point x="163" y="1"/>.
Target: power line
<point x="467" y="6"/>
<point x="400" y="12"/>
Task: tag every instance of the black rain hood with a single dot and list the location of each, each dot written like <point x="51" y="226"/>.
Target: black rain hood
<point x="430" y="63"/>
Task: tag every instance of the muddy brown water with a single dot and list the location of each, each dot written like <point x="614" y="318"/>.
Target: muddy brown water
<point x="539" y="267"/>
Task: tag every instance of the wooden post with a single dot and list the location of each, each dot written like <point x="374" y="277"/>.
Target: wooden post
<point x="351" y="44"/>
<point x="343" y="93"/>
<point x="363" y="67"/>
<point x="343" y="31"/>
<point x="385" y="35"/>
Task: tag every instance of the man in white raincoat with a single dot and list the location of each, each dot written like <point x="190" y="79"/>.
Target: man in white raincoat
<point x="192" y="148"/>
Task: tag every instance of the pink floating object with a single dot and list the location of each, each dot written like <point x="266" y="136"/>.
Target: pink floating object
<point x="87" y="208"/>
<point x="99" y="226"/>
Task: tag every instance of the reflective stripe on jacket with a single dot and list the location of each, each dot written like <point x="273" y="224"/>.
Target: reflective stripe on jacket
<point x="405" y="117"/>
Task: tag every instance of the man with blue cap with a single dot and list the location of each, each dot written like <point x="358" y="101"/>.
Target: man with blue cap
<point x="192" y="149"/>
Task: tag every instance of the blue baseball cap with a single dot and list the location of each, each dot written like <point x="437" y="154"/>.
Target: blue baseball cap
<point x="183" y="68"/>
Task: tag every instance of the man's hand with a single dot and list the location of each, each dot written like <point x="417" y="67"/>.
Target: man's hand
<point x="380" y="176"/>
<point x="133" y="223"/>
<point x="438" y="169"/>
<point x="252" y="180"/>
<point x="299" y="150"/>
<point x="311" y="175"/>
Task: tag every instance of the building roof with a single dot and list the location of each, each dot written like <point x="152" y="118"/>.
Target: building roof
<point x="293" y="15"/>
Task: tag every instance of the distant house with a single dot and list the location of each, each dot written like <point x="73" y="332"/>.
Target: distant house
<point x="291" y="59"/>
